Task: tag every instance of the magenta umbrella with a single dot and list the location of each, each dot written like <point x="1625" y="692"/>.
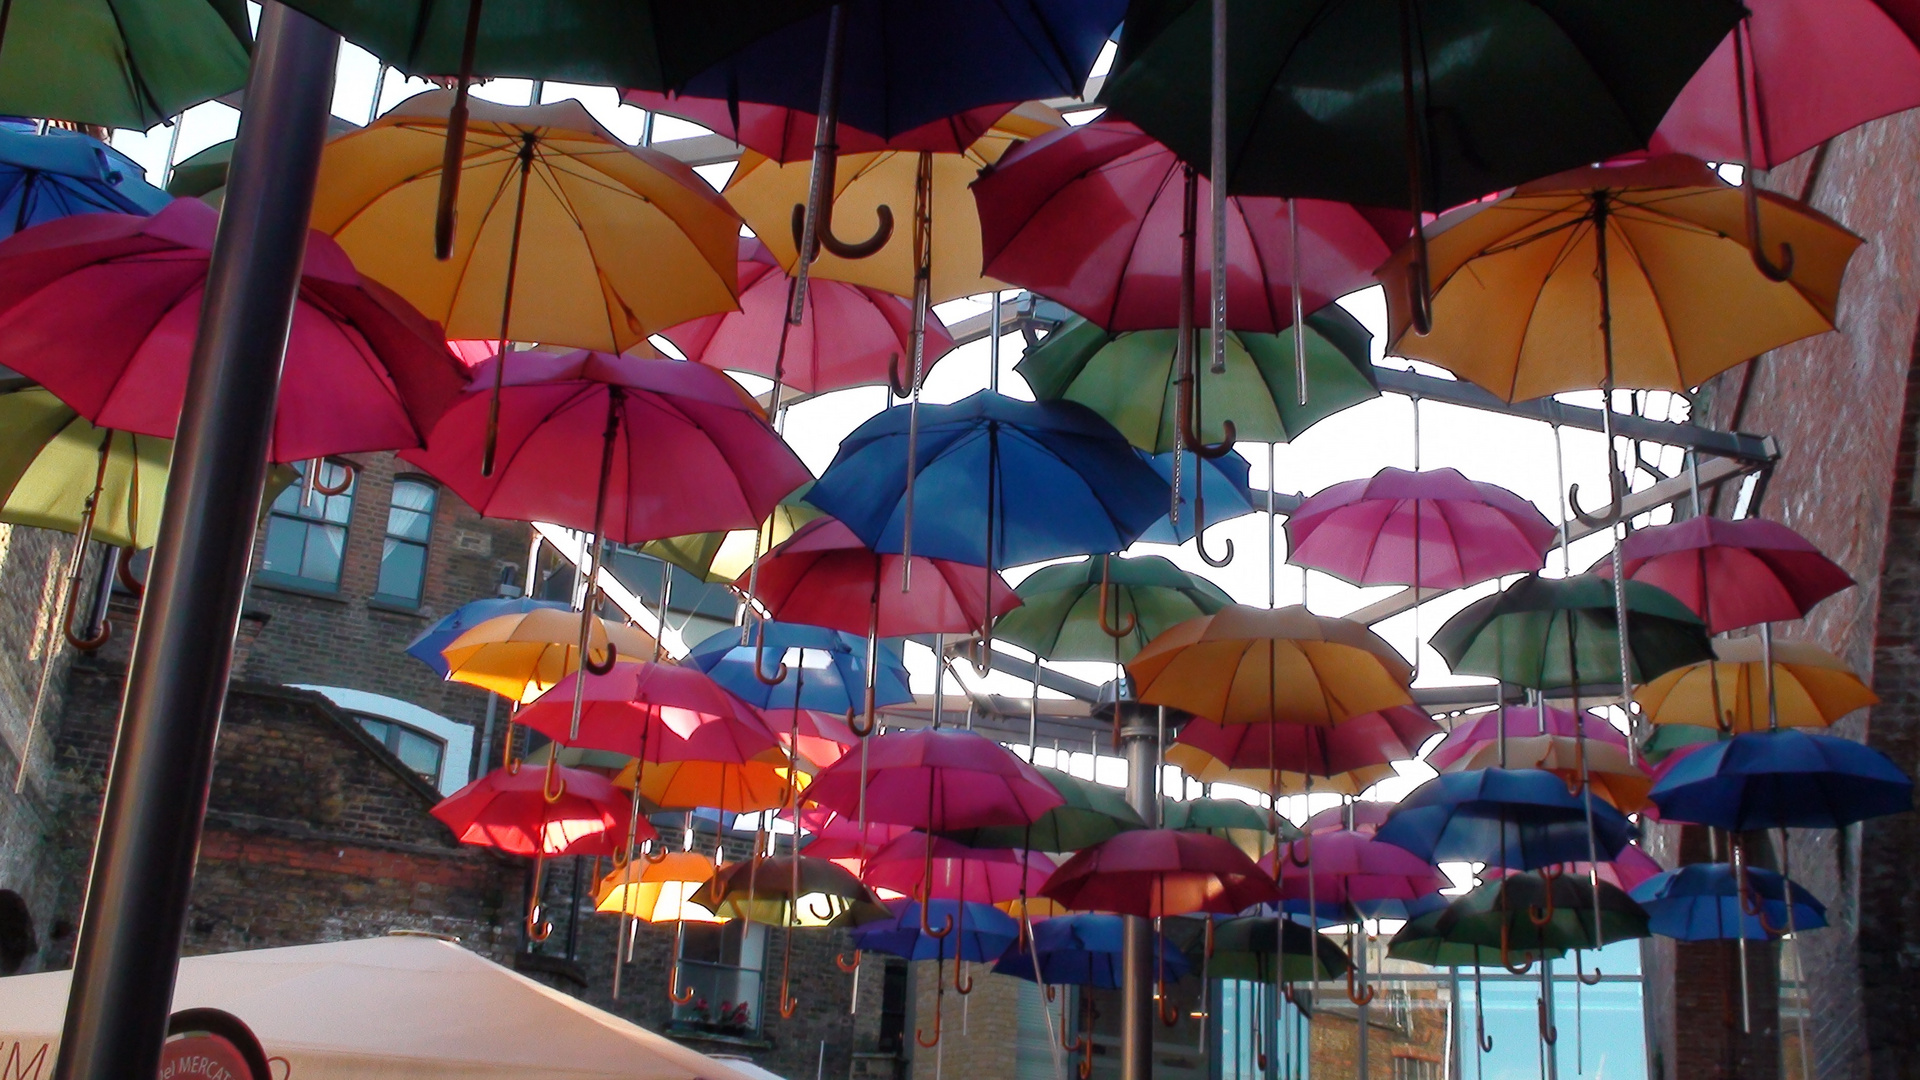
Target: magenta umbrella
<point x="787" y="135"/>
<point x="1363" y="816"/>
<point x="1376" y="738"/>
<point x="823" y="575"/>
<point x="103" y="310"/>
<point x="1437" y="526"/>
<point x="1350" y="867"/>
<point x="1732" y="573"/>
<point x="851" y="335"/>
<point x="1628" y="869"/>
<point x="1091" y="217"/>
<point x="959" y="872"/>
<point x="654" y="712"/>
<point x="1519" y="722"/>
<point x="936" y="781"/>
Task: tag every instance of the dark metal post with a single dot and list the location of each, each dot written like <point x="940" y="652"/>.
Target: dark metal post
<point x="1139" y="736"/>
<point x="176" y="684"/>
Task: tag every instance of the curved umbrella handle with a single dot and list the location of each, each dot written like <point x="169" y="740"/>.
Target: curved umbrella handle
<point x="1538" y="915"/>
<point x="1085" y="1068"/>
<point x="124" y="574"/>
<point x="1361" y="997"/>
<point x="849" y="966"/>
<point x="658" y="853"/>
<point x="1191" y="442"/>
<point x="604" y="666"/>
<point x="1306" y="842"/>
<point x="1582" y="976"/>
<point x="920" y="1037"/>
<point x="960" y="987"/>
<point x="787" y="1004"/>
<point x="1752" y="904"/>
<point x="863" y="727"/>
<point x="1133" y="620"/>
<point x="900" y="388"/>
<point x="813" y="909"/>
<point x="1420" y="286"/>
<point x="677" y="993"/>
<point x="313" y="483"/>
<point x="883" y="231"/>
<point x="1200" y="517"/>
<point x="1549" y="1033"/>
<point x="1777" y="272"/>
<point x="946" y="926"/>
<point x="538" y="928"/>
<point x="1480" y="1032"/>
<point x="547" y="790"/>
<point x="1506" y="951"/>
<point x="84" y="644"/>
<point x="759" y="668"/>
<point x="1208" y="953"/>
<point x="1609" y="513"/>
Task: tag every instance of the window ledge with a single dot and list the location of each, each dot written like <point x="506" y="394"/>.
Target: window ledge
<point x="266" y="579"/>
<point x="691" y="1032"/>
<point x="394" y="607"/>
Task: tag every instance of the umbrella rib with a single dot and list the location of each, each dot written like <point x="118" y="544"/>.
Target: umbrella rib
<point x="1666" y="324"/>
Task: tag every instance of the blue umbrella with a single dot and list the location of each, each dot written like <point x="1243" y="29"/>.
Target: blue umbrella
<point x="1782" y="779"/>
<point x="1060" y="481"/>
<point x="1081" y="950"/>
<point x="828" y="668"/>
<point x="1226" y="488"/>
<point x="43" y="177"/>
<point x="1703" y="902"/>
<point x="1518" y="819"/>
<point x="426" y="648"/>
<point x="980" y="932"/>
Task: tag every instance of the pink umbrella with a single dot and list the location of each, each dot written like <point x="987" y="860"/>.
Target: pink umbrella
<point x="1519" y="722"/>
<point x="1376" y="738"/>
<point x="103" y="309"/>
<point x="1627" y="870"/>
<point x="1732" y="573"/>
<point x="1091" y="216"/>
<point x="1159" y="872"/>
<point x="959" y="872"/>
<point x="655" y="712"/>
<point x="821" y="738"/>
<point x="787" y="135"/>
<point x="1351" y="867"/>
<point x="936" y="781"/>
<point x="823" y="575"/>
<point x="1448" y="529"/>
<point x="510" y="809"/>
<point x="1363" y="816"/>
<point x="851" y="335"/>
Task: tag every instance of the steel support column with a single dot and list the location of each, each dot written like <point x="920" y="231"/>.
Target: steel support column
<point x="156" y="800"/>
<point x="1139" y="736"/>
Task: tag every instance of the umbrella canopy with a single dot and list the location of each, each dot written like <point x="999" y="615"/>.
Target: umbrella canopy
<point x="1351" y="869"/>
<point x="1208" y="769"/>
<point x="721" y="556"/>
<point x="1250" y="828"/>
<point x="1247" y="665"/>
<point x="1517" y="282"/>
<point x="1709" y="902"/>
<point x="1551" y="633"/>
<point x="1516" y="722"/>
<point x="849" y="335"/>
<point x="1781" y="779"/>
<point x="509" y="809"/>
<point x="1732" y="573"/>
<point x="1501" y="915"/>
<point x="1157" y="872"/>
<point x="1811" y="688"/>
<point x="1614" y="774"/>
<point x="1626" y="870"/>
<point x="658" y="712"/>
<point x="1060" y="613"/>
<point x="1518" y="819"/>
<point x="52" y="462"/>
<point x="1359" y="815"/>
<point x="765" y="891"/>
<point x="817" y="738"/>
<point x="999" y="482"/>
<point x="427" y="646"/>
<point x="1451" y="530"/>
<point x="43" y="177"/>
<point x="1091" y="217"/>
<point x="1524" y="91"/>
<point x="1228" y="494"/>
<point x="981" y="933"/>
<point x="1263" y="949"/>
<point x="948" y="870"/>
<point x="823" y="575"/>
<point x="363" y="370"/>
<point x="938" y="781"/>
<point x="520" y="655"/>
<point x="787" y="134"/>
<point x="1376" y="738"/>
<point x="657" y="891"/>
<point x="123" y="63"/>
<point x="801" y="667"/>
<point x="1092" y="812"/>
<point x="1131" y="379"/>
<point x="1083" y="949"/>
<point x="1422" y="942"/>
<point x="679" y="447"/>
<point x="694" y="780"/>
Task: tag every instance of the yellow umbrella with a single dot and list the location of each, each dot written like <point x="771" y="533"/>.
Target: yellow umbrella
<point x="1518" y="308"/>
<point x="735" y="787"/>
<point x="1247" y="665"/>
<point x="1208" y="769"/>
<point x="520" y="656"/>
<point x="657" y="891"/>
<point x="1812" y="688"/>
<point x="53" y="463"/>
<point x="1610" y="769"/>
<point x="721" y="557"/>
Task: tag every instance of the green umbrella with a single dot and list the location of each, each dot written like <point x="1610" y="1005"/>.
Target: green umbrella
<point x="206" y="171"/>
<point x="1093" y="812"/>
<point x="1243" y="948"/>
<point x="119" y="63"/>
<point x="1665" y="739"/>
<point x="1420" y="941"/>
<point x="1551" y="633"/>
<point x="1248" y="827"/>
<point x="1059" y="615"/>
<point x="1521" y="912"/>
<point x="1130" y="379"/>
<point x="721" y="557"/>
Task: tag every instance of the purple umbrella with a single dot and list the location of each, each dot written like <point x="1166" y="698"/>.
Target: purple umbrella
<point x="1445" y="529"/>
<point x="1519" y="722"/>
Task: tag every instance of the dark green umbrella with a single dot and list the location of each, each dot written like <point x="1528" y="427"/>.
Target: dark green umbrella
<point x="207" y="170"/>
<point x="1521" y="912"/>
<point x="1552" y="633"/>
<point x="1093" y="812"/>
<point x="1248" y="827"/>
<point x="119" y="63"/>
<point x="1664" y="739"/>
<point x="1131" y="379"/>
<point x="1420" y="941"/>
<point x="1243" y="948"/>
<point x="1059" y="617"/>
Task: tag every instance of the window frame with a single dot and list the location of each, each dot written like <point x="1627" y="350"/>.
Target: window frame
<point x="388" y="536"/>
<point x="296" y="581"/>
<point x="691" y="970"/>
<point x="391" y="740"/>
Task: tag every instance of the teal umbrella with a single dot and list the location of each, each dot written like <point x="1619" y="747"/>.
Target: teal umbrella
<point x="119" y="63"/>
<point x="1552" y="633"/>
<point x="1060" y="615"/>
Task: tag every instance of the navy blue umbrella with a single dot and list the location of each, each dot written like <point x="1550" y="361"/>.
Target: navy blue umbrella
<point x="426" y="648"/>
<point x="1518" y="819"/>
<point x="1782" y="779"/>
<point x="1048" y="478"/>
<point x="1704" y="902"/>
<point x="828" y="668"/>
<point x="976" y="932"/>
<point x="1224" y="481"/>
<point x="1082" y="950"/>
<point x="43" y="177"/>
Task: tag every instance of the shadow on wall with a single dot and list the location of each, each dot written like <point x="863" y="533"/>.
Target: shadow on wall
<point x="17" y="941"/>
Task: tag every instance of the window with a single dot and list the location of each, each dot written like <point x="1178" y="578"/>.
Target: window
<point x="416" y="749"/>
<point x="403" y="558"/>
<point x="307" y="530"/>
<point x="1415" y="1068"/>
<point x="721" y="964"/>
<point x="452" y="741"/>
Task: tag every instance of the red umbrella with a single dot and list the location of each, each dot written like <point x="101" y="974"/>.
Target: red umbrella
<point x="1351" y="867"/>
<point x="936" y="781"/>
<point x="1732" y="573"/>
<point x="509" y="809"/>
<point x="839" y="837"/>
<point x="1376" y="738"/>
<point x="103" y="310"/>
<point x="1091" y="217"/>
<point x="821" y="738"/>
<point x="823" y="575"/>
<point x="1158" y="872"/>
<point x="959" y="872"/>
<point x="1519" y="722"/>
<point x="656" y="712"/>
<point x="787" y="135"/>
<point x="1438" y="525"/>
<point x="851" y="335"/>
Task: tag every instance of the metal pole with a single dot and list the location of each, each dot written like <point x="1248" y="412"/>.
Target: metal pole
<point x="1138" y="740"/>
<point x="156" y="798"/>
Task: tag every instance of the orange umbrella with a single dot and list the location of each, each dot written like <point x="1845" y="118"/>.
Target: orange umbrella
<point x="1811" y="687"/>
<point x="740" y="787"/>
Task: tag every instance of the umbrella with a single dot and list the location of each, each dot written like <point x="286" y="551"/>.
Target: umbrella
<point x="816" y="738"/>
<point x="1810" y="687"/>
<point x="1514" y="818"/>
<point x="981" y="932"/>
<point x="1421" y="942"/>
<point x="788" y="134"/>
<point x="681" y="776"/>
<point x="1092" y="812"/>
<point x="1248" y="665"/>
<point x="657" y="892"/>
<point x="1625" y="871"/>
<point x="1608" y="766"/>
<point x="204" y="175"/>
<point x="1208" y="769"/>
<point x="1358" y="815"/>
<point x="1732" y="573"/>
<point x="1153" y="873"/>
<point x="1445" y="529"/>
<point x="1519" y="721"/>
<point x="427" y="645"/>
<point x="811" y="667"/>
<point x="1252" y="829"/>
<point x="1781" y="779"/>
<point x="766" y="890"/>
<point x="1369" y="739"/>
<point x="721" y="556"/>
<point x="959" y="872"/>
<point x="57" y="471"/>
<point x="1351" y="870"/>
<point x="363" y="370"/>
<point x="848" y="335"/>
<point x="649" y="710"/>
<point x="1082" y="949"/>
<point x="1133" y="380"/>
<point x="43" y="177"/>
<point x="1224" y="490"/>
<point x="1550" y="633"/>
<point x="1068" y="609"/>
<point x="823" y="575"/>
<point x="1535" y="911"/>
<point x="124" y="63"/>
<point x="1710" y="902"/>
<point x="1246" y="948"/>
<point x="520" y="655"/>
<point x="937" y="781"/>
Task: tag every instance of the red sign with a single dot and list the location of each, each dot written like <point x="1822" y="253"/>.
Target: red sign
<point x="203" y="1057"/>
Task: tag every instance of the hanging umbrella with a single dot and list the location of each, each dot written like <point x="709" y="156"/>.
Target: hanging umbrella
<point x="981" y="932"/>
<point x="1082" y="949"/>
<point x="1550" y="633"/>
<point x="657" y="892"/>
<point x="1624" y="871"/>
<point x="764" y="891"/>
<point x="519" y="656"/>
<point x="817" y="738"/>
<point x="1711" y="902"/>
<point x="1447" y="529"/>
<point x="791" y="665"/>
<point x="1810" y="688"/>
<point x="1252" y="829"/>
<point x="509" y="809"/>
<point x="57" y="471"/>
<point x="1359" y="815"/>
<point x="1158" y="872"/>
<point x="1519" y="721"/>
<point x="1353" y="872"/>
<point x="721" y="556"/>
<point x="638" y="709"/>
<point x="1781" y="779"/>
<point x="788" y="134"/>
<point x="1064" y="616"/>
<point x="60" y="173"/>
<point x="1610" y="768"/>
<point x="1262" y="949"/>
<point x="936" y="781"/>
<point x="1092" y="812"/>
<point x="427" y="646"/>
<point x="1421" y="942"/>
<point x="848" y="335"/>
<point x="1225" y="494"/>
<point x="1513" y="818"/>
<point x="682" y="777"/>
<point x="1369" y="739"/>
<point x="1248" y="665"/>
<point x="823" y="575"/>
<point x="959" y="872"/>
<point x="1732" y="574"/>
<point x="1532" y="912"/>
<point x="363" y="370"/>
<point x="121" y="64"/>
<point x="1208" y="769"/>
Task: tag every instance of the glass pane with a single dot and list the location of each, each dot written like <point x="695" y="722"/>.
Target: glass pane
<point x="379" y="729"/>
<point x="411" y="515"/>
<point x="418" y="752"/>
<point x="402" y="567"/>
<point x="321" y="562"/>
<point x="286" y="539"/>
